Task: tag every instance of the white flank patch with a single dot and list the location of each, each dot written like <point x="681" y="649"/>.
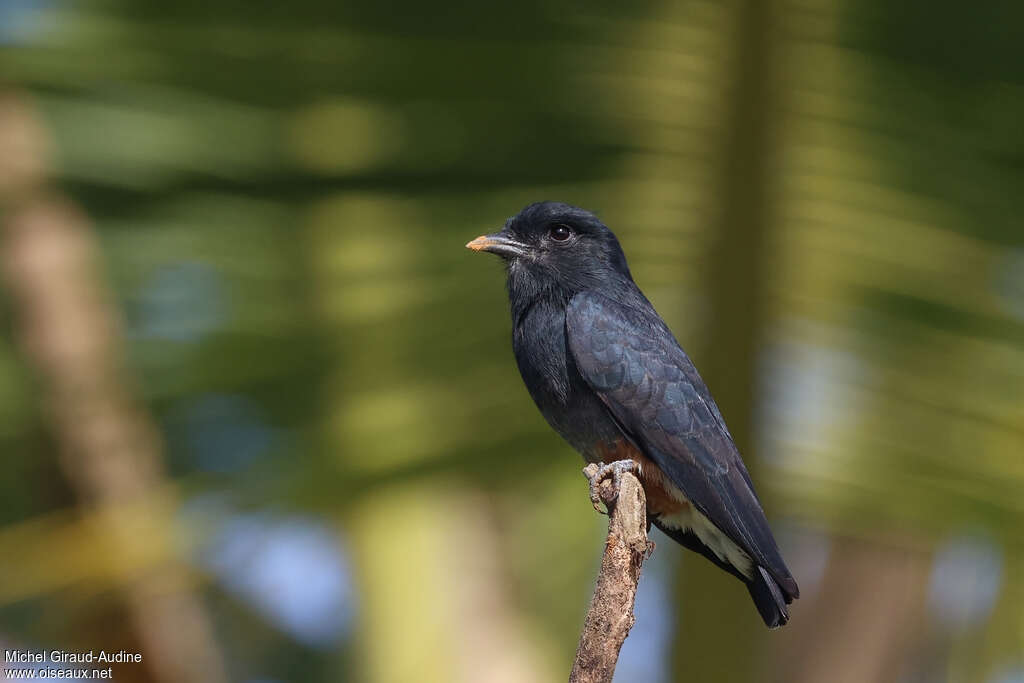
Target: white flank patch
<point x="690" y="519"/>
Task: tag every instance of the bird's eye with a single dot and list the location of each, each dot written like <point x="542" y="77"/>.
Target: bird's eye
<point x="560" y="232"/>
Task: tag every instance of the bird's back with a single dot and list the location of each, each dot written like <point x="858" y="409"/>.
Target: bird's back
<point x="632" y="362"/>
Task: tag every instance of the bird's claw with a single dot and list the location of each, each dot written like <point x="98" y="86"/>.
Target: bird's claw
<point x="599" y="472"/>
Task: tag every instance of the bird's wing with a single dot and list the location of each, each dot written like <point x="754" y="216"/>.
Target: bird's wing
<point x="650" y="386"/>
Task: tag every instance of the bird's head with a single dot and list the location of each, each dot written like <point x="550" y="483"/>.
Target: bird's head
<point x="551" y="246"/>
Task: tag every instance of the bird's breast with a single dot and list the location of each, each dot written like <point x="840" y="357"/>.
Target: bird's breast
<point x="550" y="375"/>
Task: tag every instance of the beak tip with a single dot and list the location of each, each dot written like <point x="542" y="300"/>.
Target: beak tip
<point x="497" y="244"/>
<point x="479" y="244"/>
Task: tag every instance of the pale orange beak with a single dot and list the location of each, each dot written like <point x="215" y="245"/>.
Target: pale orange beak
<point x="480" y="243"/>
<point x="498" y="244"/>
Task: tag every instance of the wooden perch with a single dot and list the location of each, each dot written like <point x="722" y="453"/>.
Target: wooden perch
<point x="610" y="616"/>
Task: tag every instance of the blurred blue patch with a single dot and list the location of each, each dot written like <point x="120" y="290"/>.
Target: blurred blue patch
<point x="1009" y="282"/>
<point x="182" y="302"/>
<point x="21" y="20"/>
<point x="967" y="575"/>
<point x="1013" y="674"/>
<point x="804" y="393"/>
<point x="292" y="570"/>
<point x="220" y="433"/>
<point x="807" y="552"/>
<point x="645" y="654"/>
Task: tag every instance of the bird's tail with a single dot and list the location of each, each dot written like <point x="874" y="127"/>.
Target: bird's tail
<point x="769" y="598"/>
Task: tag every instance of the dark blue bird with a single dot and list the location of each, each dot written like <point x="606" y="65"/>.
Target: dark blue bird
<point x="609" y="376"/>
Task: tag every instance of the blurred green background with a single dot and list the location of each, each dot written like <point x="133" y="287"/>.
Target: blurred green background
<point x="259" y="416"/>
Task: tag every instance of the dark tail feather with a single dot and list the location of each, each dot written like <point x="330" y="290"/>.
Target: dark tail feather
<point x="768" y="598"/>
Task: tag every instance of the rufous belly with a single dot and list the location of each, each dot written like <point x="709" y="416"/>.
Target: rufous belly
<point x="671" y="508"/>
<point x="664" y="499"/>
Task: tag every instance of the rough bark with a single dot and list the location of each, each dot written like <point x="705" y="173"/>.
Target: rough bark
<point x="610" y="616"/>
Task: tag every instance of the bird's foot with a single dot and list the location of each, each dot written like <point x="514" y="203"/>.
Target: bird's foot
<point x="600" y="472"/>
